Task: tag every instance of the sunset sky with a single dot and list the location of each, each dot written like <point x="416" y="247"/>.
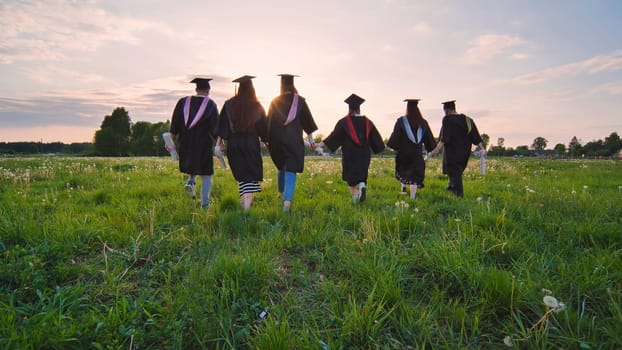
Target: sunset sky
<point x="520" y="69"/>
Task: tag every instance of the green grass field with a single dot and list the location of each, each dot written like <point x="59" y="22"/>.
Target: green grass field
<point x="111" y="254"/>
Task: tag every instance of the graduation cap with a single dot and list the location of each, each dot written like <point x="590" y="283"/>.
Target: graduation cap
<point x="287" y="78"/>
<point x="354" y="101"/>
<point x="202" y="83"/>
<point x="449" y="104"/>
<point x="411" y="102"/>
<point x="244" y="79"/>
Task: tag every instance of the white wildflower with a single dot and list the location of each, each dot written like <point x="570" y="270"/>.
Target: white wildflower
<point x="329" y="182"/>
<point x="546" y="291"/>
<point x="550" y="301"/>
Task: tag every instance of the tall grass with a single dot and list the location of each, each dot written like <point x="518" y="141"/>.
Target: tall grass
<point x="110" y="254"/>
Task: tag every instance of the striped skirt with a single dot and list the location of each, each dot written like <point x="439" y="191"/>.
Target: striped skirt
<point x="248" y="187"/>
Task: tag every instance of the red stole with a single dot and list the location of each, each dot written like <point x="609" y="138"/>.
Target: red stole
<point x="352" y="131"/>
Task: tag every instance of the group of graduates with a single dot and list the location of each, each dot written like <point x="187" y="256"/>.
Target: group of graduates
<point x="242" y="125"/>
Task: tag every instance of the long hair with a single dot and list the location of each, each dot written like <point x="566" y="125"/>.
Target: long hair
<point x="244" y="108"/>
<point x="415" y="119"/>
<point x="287" y="86"/>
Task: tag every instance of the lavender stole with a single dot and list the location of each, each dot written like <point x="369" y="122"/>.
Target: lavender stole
<point x="199" y="114"/>
<point x="409" y="131"/>
<point x="292" y="111"/>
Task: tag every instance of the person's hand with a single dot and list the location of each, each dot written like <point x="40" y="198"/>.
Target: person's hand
<point x="168" y="149"/>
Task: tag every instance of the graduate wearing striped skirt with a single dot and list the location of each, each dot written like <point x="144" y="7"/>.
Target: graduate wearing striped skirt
<point x="241" y="125"/>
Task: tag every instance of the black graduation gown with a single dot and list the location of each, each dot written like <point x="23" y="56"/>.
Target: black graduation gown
<point x="243" y="147"/>
<point x="355" y="159"/>
<point x="196" y="145"/>
<point x="457" y="142"/>
<point x="409" y="163"/>
<point x="286" y="143"/>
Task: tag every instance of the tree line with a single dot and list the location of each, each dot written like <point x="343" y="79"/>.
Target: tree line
<point x="611" y="146"/>
<point x="118" y="136"/>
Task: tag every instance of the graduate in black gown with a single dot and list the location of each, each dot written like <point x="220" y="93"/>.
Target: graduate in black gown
<point x="410" y="133"/>
<point x="194" y="123"/>
<point x="242" y="123"/>
<point x="458" y="133"/>
<point x="288" y="117"/>
<point x="358" y="137"/>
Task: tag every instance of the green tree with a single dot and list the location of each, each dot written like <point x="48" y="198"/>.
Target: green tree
<point x="158" y="129"/>
<point x="106" y="142"/>
<point x="522" y="150"/>
<point x="539" y="144"/>
<point x="560" y="148"/>
<point x="114" y="134"/>
<point x="613" y="144"/>
<point x="147" y="139"/>
<point x="595" y="148"/>
<point x="142" y="142"/>
<point x="485" y="140"/>
<point x="574" y="147"/>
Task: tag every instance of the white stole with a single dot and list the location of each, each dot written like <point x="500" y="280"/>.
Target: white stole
<point x="199" y="114"/>
<point x="409" y="131"/>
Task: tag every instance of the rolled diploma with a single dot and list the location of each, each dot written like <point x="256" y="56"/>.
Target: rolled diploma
<point x="168" y="141"/>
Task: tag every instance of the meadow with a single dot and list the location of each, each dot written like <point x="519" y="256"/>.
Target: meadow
<point x="109" y="253"/>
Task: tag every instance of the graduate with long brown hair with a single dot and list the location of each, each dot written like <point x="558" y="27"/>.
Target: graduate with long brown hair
<point x="242" y="124"/>
<point x="410" y="133"/>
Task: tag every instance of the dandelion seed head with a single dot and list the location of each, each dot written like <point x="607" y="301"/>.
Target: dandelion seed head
<point x="550" y="301"/>
<point x="546" y="291"/>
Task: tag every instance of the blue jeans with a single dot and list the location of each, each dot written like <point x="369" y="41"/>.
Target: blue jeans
<point x="206" y="187"/>
<point x="286" y="181"/>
